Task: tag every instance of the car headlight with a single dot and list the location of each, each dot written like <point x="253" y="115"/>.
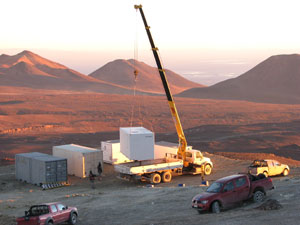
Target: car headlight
<point x="203" y="201"/>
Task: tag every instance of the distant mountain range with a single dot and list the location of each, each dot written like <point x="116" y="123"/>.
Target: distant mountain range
<point x="275" y="80"/>
<point x="30" y="70"/>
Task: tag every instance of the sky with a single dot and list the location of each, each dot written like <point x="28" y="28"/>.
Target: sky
<point x="205" y="41"/>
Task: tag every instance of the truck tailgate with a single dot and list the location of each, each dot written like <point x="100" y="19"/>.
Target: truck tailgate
<point x="129" y="168"/>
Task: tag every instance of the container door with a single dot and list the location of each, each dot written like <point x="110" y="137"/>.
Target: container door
<point x="61" y="174"/>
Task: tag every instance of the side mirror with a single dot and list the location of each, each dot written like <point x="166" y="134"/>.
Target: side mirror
<point x="67" y="207"/>
<point x="26" y="213"/>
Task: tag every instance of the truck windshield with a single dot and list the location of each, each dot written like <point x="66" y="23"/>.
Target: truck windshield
<point x="214" y="187"/>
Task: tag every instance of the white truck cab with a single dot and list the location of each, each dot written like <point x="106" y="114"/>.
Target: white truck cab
<point x="197" y="160"/>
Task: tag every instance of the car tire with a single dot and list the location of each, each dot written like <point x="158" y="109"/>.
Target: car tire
<point x="155" y="178"/>
<point x="258" y="196"/>
<point x="285" y="172"/>
<point x="215" y="207"/>
<point x="207" y="169"/>
<point x="166" y="177"/>
<point x="73" y="218"/>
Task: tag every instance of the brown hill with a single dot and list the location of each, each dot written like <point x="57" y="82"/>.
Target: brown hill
<point x="275" y="80"/>
<point x="120" y="72"/>
<point x="30" y="70"/>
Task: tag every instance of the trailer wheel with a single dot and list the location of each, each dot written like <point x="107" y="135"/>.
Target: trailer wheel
<point x="207" y="169"/>
<point x="155" y="178"/>
<point x="166" y="177"/>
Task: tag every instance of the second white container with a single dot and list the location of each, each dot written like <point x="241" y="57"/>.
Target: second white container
<point x="81" y="159"/>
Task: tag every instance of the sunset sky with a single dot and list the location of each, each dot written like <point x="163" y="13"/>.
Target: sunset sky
<point x="206" y="41"/>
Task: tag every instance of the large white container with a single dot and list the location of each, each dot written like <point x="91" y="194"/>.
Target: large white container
<point x="81" y="159"/>
<point x="137" y="143"/>
<point x="38" y="168"/>
<point x="112" y="153"/>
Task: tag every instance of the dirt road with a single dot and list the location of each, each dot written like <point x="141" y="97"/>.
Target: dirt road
<point x="120" y="202"/>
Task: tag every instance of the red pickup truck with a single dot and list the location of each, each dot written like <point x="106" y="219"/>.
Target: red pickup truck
<point x="227" y="191"/>
<point x="49" y="214"/>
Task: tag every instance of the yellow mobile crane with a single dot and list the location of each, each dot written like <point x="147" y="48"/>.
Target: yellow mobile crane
<point x="183" y="153"/>
<point x="186" y="161"/>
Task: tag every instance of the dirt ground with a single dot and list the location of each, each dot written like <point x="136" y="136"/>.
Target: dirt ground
<point x="115" y="201"/>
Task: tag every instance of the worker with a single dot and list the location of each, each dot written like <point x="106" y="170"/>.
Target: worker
<point x="92" y="179"/>
<point x="99" y="167"/>
<point x="202" y="173"/>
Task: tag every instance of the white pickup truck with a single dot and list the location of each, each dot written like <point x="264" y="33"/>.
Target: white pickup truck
<point x="157" y="170"/>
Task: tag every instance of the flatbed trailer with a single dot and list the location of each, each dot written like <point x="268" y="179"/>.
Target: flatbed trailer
<point x="153" y="171"/>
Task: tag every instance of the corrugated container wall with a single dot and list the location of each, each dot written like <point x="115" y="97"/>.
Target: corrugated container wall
<point x="112" y="153"/>
<point x="38" y="168"/>
<point x="81" y="159"/>
<point x="137" y="143"/>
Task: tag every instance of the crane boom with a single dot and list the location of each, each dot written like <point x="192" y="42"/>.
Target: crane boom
<point x="175" y="116"/>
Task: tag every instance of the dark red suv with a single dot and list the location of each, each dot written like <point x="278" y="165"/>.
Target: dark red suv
<point x="49" y="214"/>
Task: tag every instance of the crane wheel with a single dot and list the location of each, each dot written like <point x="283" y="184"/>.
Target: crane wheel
<point x="207" y="169"/>
<point x="166" y="177"/>
<point x="155" y="178"/>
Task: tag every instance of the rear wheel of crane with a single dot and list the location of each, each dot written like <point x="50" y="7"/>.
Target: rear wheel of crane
<point x="155" y="178"/>
<point x="166" y="177"/>
<point x="207" y="169"/>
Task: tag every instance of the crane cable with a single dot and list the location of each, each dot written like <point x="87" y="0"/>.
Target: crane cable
<point x="135" y="71"/>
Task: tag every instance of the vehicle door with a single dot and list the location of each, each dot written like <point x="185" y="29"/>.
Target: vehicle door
<point x="55" y="214"/>
<point x="242" y="188"/>
<point x="228" y="194"/>
<point x="278" y="167"/>
<point x="189" y="157"/>
<point x="63" y="212"/>
<point x="272" y="168"/>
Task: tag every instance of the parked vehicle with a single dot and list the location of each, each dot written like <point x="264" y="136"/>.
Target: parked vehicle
<point x="157" y="170"/>
<point x="49" y="214"/>
<point x="268" y="167"/>
<point x="230" y="190"/>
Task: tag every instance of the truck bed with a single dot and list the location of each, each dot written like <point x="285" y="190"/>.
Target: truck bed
<point x="148" y="166"/>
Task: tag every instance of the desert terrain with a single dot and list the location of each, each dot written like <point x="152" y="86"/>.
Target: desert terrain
<point x="231" y="133"/>
<point x="115" y="201"/>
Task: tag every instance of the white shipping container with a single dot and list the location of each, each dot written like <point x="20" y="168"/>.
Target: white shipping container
<point x="112" y="153"/>
<point x="81" y="159"/>
<point x="137" y="143"/>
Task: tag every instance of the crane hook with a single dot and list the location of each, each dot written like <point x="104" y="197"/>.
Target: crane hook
<point x="136" y="72"/>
